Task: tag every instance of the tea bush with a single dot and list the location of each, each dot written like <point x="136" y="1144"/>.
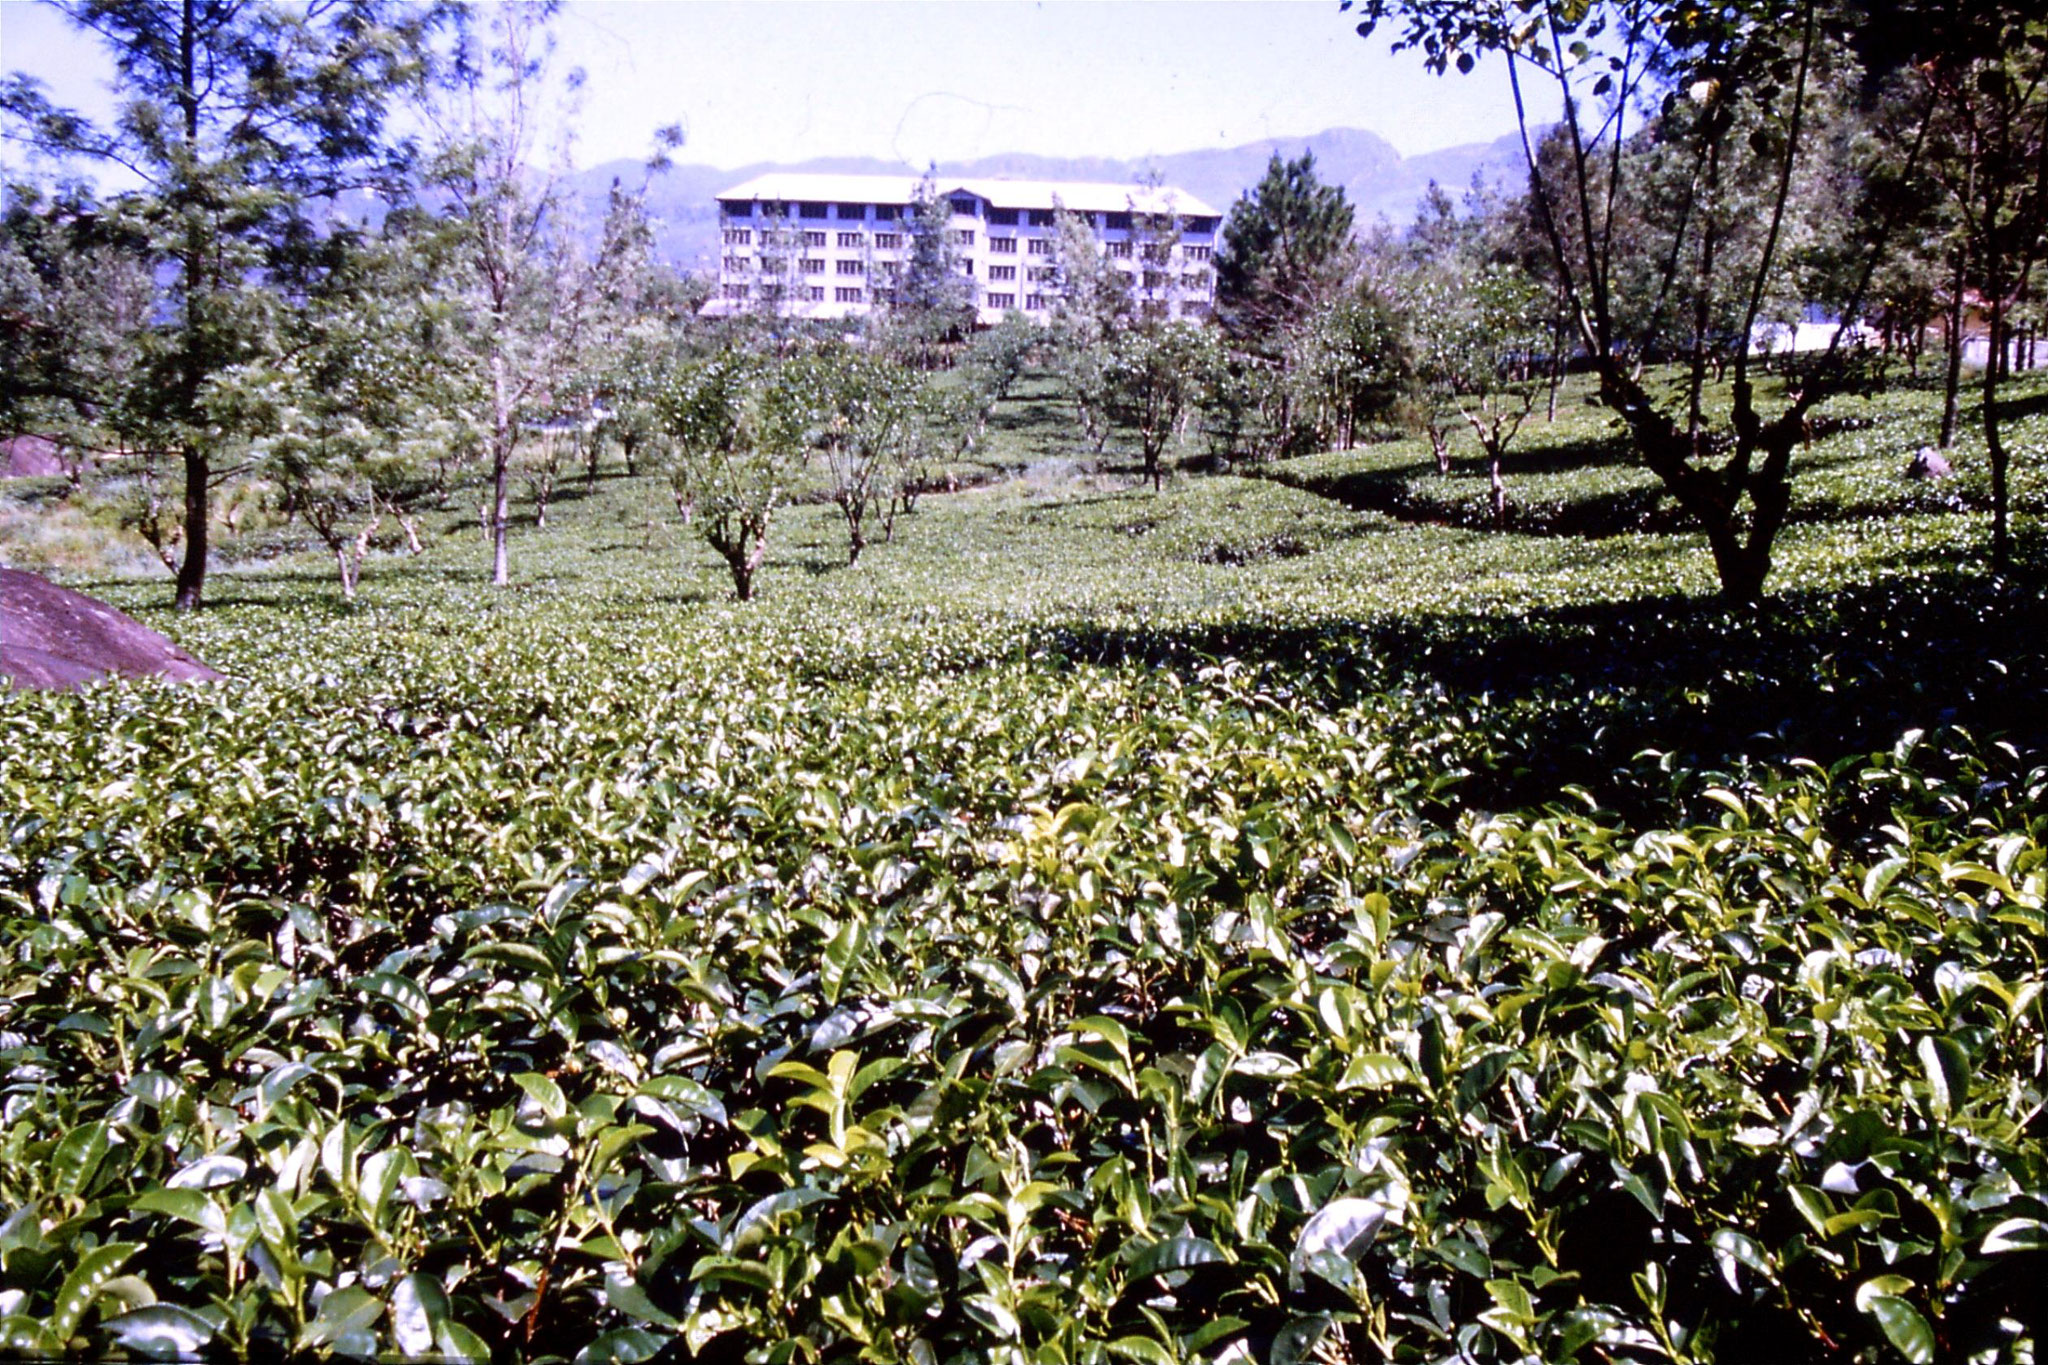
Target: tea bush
<point x="1103" y="926"/>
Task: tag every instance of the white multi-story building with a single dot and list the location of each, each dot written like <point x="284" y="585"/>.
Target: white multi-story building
<point x="834" y="246"/>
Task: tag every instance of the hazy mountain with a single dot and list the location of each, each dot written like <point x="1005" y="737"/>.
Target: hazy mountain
<point x="1377" y="178"/>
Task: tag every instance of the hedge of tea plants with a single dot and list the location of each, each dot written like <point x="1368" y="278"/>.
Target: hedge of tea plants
<point x="1059" y="941"/>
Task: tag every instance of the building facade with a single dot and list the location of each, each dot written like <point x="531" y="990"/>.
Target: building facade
<point x="835" y="246"/>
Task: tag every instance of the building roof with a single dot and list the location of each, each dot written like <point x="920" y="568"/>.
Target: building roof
<point x="1081" y="196"/>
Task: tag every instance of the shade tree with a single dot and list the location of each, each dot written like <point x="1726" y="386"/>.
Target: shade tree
<point x="1758" y="76"/>
<point x="1153" y="378"/>
<point x="737" y="428"/>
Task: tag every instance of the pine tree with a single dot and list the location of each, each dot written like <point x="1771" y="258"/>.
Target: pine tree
<point x="238" y="119"/>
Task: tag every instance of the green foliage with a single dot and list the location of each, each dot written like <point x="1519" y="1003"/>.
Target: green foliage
<point x="740" y="437"/>
<point x="1152" y="377"/>
<point x="1286" y="247"/>
<point x="1112" y="924"/>
<point x="934" y="302"/>
<point x="1352" y="366"/>
<point x="234" y="119"/>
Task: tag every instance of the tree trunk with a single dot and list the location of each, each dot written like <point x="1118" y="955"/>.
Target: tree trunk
<point x="192" y="570"/>
<point x="501" y="511"/>
<point x="1952" y="377"/>
<point x="1742" y="563"/>
<point x="1994" y="443"/>
<point x="1497" y="492"/>
<point x="1440" y="447"/>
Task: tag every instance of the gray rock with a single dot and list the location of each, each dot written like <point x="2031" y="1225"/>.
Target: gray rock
<point x="52" y="638"/>
<point x="1928" y="463"/>
<point x="29" y="457"/>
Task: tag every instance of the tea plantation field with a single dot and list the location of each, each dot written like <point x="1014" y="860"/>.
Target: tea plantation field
<point x="1223" y="924"/>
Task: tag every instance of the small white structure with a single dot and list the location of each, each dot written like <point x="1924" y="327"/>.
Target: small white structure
<point x="1814" y="331"/>
<point x="834" y="246"/>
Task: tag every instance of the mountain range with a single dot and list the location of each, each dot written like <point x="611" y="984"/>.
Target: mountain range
<point x="1378" y="179"/>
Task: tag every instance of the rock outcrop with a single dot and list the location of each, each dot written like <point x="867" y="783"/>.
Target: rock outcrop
<point x="1928" y="463"/>
<point x="54" y="638"/>
<point x="29" y="457"/>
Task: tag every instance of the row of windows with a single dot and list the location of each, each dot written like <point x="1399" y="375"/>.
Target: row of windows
<point x="997" y="274"/>
<point x="996" y="299"/>
<point x="810" y="293"/>
<point x="889" y="213"/>
<point x="883" y="213"/>
<point x="884" y="241"/>
<point x="1153" y="252"/>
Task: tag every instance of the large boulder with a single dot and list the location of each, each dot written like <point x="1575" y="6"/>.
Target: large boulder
<point x="29" y="457"/>
<point x="1928" y="463"/>
<point x="54" y="638"/>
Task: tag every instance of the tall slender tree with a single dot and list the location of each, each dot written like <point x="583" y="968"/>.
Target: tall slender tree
<point x="532" y="292"/>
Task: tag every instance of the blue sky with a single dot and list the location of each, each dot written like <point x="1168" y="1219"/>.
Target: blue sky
<point x="929" y="81"/>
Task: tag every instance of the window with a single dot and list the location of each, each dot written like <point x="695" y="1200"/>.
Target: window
<point x="736" y="265"/>
<point x="1195" y="310"/>
<point x="1155" y="279"/>
<point x="1202" y="225"/>
<point x="1006" y="217"/>
<point x="1039" y="246"/>
<point x="1195" y="279"/>
<point x="1002" y="272"/>
<point x="1117" y="222"/>
<point x="1042" y="218"/>
<point x="967" y="208"/>
<point x="1034" y="302"/>
<point x="811" y="211"/>
<point x="1156" y="253"/>
<point x="853" y="211"/>
<point x="737" y="291"/>
<point x="967" y="267"/>
<point x="851" y="268"/>
<point x="849" y="239"/>
<point x="738" y="210"/>
<point x="965" y="236"/>
<point x="739" y="236"/>
<point x="1039" y="273"/>
<point x="888" y="241"/>
<point x="1002" y="300"/>
<point x="886" y="213"/>
<point x="812" y="266"/>
<point x="846" y="295"/>
<point x="1003" y="244"/>
<point x="814" y="239"/>
<point x="1197" y="253"/>
<point x="815" y="293"/>
<point x="1116" y="248"/>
